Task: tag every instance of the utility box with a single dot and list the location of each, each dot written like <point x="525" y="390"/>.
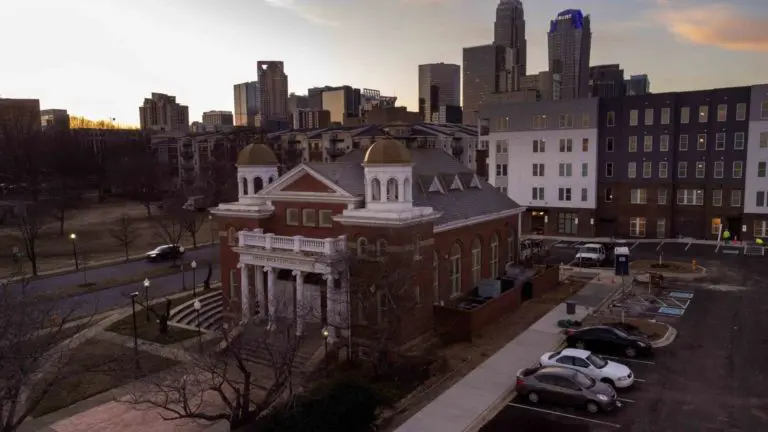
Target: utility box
<point x="621" y="260"/>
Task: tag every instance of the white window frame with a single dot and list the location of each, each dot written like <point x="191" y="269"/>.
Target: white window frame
<point x="292" y="216"/>
<point x="632" y="144"/>
<point x="703" y="114"/>
<point x="610" y="144"/>
<point x="665" y="115"/>
<point x="633" y="117"/>
<point x="584" y="194"/>
<point x="325" y="218"/>
<point x="701" y="142"/>
<point x="609" y="167"/>
<point x="638" y="196"/>
<point x="720" y="141"/>
<point x="648" y="116"/>
<point x="566" y="145"/>
<point x="717" y="198"/>
<point x="565" y="169"/>
<point x="537" y="193"/>
<point x="760" y="228"/>
<point x="647" y="169"/>
<point x="722" y="112"/>
<point x="538" y="170"/>
<point x="585" y="169"/>
<point x="661" y="197"/>
<point x="762" y="169"/>
<point x="308" y="217"/>
<point x="685" y="115"/>
<point x="564" y="194"/>
<point x="682" y="169"/>
<point x="719" y="169"/>
<point x="637" y="227"/>
<point x="738" y="170"/>
<point x="664" y="143"/>
<point x="741" y="111"/>
<point x="632" y="170"/>
<point x="648" y="143"/>
<point x="455" y="262"/>
<point x="494" y="256"/>
<point x="477" y="261"/>
<point x="610" y="119"/>
<point x="736" y="197"/>
<point x="663" y="169"/>
<point x="683" y="142"/>
<point x="539" y="146"/>
<point x="690" y="197"/>
<point x="701" y="169"/>
<point x="763" y="137"/>
<point x="661" y="228"/>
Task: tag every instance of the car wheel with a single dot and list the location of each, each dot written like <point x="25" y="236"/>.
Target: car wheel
<point x="533" y="397"/>
<point x="630" y="352"/>
<point x="609" y="382"/>
<point x="592" y="407"/>
<point x="581" y="345"/>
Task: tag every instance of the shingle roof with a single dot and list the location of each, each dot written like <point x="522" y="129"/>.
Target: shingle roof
<point x="347" y="175"/>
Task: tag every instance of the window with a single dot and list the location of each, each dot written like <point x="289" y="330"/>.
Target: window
<point x="760" y="228"/>
<point x="292" y="216"/>
<point x="609" y="143"/>
<point x="501" y="170"/>
<point x="736" y="198"/>
<point x="566" y="223"/>
<point x="661" y="228"/>
<point x="685" y="114"/>
<point x="539" y="122"/>
<point x="633" y="118"/>
<point x="608" y="194"/>
<point x="638" y="196"/>
<point x="715" y="225"/>
<point x="738" y="140"/>
<point x="232" y="237"/>
<point x="564" y="194"/>
<point x="637" y="227"/>
<point x="648" y="116"/>
<point x="661" y="197"/>
<point x="764" y="110"/>
<point x="566" y="145"/>
<point x="760" y="199"/>
<point x="664" y="143"/>
<point x="722" y="112"/>
<point x="763" y="139"/>
<point x="665" y="115"/>
<point x="703" y="114"/>
<point x="585" y="121"/>
<point x="392" y="189"/>
<point x="362" y="246"/>
<point x="326" y="218"/>
<point x="663" y="169"/>
<point x="682" y="169"/>
<point x="584" y="169"/>
<point x="538" y="146"/>
<point x="683" y="144"/>
<point x="738" y="169"/>
<point x="502" y="146"/>
<point x="719" y="168"/>
<point x="647" y="169"/>
<point x="436" y="277"/>
<point x="234" y="286"/>
<point x="585" y="144"/>
<point x="494" y="256"/>
<point x="375" y="190"/>
<point x="476" y="261"/>
<point x="584" y="194"/>
<point x="717" y="197"/>
<point x="565" y="170"/>
<point x="566" y="121"/>
<point x="690" y="196"/>
<point x="720" y="141"/>
<point x="632" y="144"/>
<point x="701" y="169"/>
<point x="455" y="258"/>
<point x="538" y="170"/>
<point x="632" y="170"/>
<point x="609" y="169"/>
<point x="761" y="169"/>
<point x="741" y="111"/>
<point x="610" y="119"/>
<point x="537" y="193"/>
<point x="701" y="142"/>
<point x="648" y="143"/>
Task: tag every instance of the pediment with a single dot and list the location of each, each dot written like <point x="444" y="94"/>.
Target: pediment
<point x="304" y="181"/>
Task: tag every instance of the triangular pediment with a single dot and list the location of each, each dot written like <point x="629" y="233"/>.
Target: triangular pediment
<point x="303" y="180"/>
<point x="475" y="183"/>
<point x="456" y="184"/>
<point x="436" y="186"/>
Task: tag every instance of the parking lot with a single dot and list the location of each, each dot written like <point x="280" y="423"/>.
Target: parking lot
<point x="712" y="378"/>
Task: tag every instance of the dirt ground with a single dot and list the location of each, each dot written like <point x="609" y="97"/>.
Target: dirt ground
<point x="92" y="224"/>
<point x="668" y="266"/>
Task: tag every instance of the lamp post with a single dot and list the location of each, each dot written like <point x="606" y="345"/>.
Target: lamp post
<point x="193" y="264"/>
<point x="73" y="237"/>
<point x="135" y="331"/>
<point x="198" y="306"/>
<point x="146" y="296"/>
<point x="183" y="278"/>
<point x="326" y="333"/>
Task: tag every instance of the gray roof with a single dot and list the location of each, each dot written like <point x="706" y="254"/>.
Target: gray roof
<point x="455" y="204"/>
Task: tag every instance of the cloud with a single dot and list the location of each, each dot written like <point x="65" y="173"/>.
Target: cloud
<point x="305" y="11"/>
<point x="718" y="25"/>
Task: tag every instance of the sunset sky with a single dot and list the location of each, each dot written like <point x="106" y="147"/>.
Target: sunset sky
<point x="100" y="58"/>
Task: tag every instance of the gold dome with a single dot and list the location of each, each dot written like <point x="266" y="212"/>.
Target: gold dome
<point x="387" y="151"/>
<point x="256" y="154"/>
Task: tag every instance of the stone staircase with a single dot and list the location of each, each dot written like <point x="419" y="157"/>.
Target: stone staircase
<point x="754" y="250"/>
<point x="210" y="313"/>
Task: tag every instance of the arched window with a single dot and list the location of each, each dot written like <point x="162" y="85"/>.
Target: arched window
<point x="362" y="246"/>
<point x="407" y="189"/>
<point x="232" y="236"/>
<point x="455" y="258"/>
<point x="381" y="248"/>
<point x="477" y="266"/>
<point x="495" y="256"/>
<point x="375" y="190"/>
<point x="435" y="277"/>
<point x="258" y="184"/>
<point x="245" y="186"/>
<point x="392" y="192"/>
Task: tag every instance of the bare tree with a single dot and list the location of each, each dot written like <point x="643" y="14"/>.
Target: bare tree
<point x="67" y="172"/>
<point x="30" y="220"/>
<point x="141" y="176"/>
<point x="125" y="233"/>
<point x="193" y="221"/>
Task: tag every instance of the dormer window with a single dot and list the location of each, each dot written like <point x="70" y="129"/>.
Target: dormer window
<point x="475" y="182"/>
<point x="456" y="184"/>
<point x="436" y="186"/>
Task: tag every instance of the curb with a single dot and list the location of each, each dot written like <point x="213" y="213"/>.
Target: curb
<point x="668" y="338"/>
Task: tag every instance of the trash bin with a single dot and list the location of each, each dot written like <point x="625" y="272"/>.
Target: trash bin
<point x="570" y="307"/>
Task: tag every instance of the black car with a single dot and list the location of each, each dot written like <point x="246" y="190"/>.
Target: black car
<point x="608" y="340"/>
<point x="166" y="252"/>
<point x="564" y="386"/>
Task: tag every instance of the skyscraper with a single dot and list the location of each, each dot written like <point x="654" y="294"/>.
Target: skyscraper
<point x="570" y="43"/>
<point x="161" y="112"/>
<point x="509" y="30"/>
<point x="487" y="70"/>
<point x="439" y="86"/>
<point x="247" y="103"/>
<point x="606" y="81"/>
<point x="273" y="83"/>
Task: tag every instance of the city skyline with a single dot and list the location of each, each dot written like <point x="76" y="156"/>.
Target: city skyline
<point x="110" y="67"/>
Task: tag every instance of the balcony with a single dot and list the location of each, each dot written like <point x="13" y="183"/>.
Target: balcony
<point x="297" y="244"/>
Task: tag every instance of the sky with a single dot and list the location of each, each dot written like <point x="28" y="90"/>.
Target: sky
<point x="101" y="58"/>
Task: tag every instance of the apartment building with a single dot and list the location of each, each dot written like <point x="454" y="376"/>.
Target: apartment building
<point x="672" y="164"/>
<point x="755" y="224"/>
<point x="544" y="156"/>
<point x="161" y="113"/>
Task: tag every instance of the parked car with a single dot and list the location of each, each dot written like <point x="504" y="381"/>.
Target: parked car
<point x="563" y="386"/>
<point x="165" y="252"/>
<point x="611" y="373"/>
<point x="608" y="340"/>
<point x="591" y="253"/>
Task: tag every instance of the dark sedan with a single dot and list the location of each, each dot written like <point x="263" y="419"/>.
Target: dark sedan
<point x="608" y="340"/>
<point x="567" y="387"/>
<point x="166" y="252"/>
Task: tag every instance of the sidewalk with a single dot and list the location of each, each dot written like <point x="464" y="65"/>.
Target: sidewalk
<point x="473" y="400"/>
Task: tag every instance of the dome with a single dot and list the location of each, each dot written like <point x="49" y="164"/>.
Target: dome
<point x="387" y="151"/>
<point x="256" y="154"/>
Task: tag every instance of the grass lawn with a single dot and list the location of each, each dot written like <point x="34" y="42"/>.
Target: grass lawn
<point x="95" y="367"/>
<point x="149" y="330"/>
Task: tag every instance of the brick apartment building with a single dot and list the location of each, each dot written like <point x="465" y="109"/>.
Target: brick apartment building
<point x="290" y="240"/>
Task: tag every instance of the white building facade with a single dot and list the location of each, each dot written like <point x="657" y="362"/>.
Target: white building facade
<point x="756" y="182"/>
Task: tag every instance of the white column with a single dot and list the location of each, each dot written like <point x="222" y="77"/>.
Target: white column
<point x="260" y="292"/>
<point x="331" y="312"/>
<point x="344" y="301"/>
<point x="245" y="297"/>
<point x="271" y="302"/>
<point x="301" y="308"/>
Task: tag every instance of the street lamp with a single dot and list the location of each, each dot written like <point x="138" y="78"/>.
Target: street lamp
<point x="183" y="279"/>
<point x="198" y="306"/>
<point x="326" y="333"/>
<point x="135" y="331"/>
<point x="73" y="237"/>
<point x="193" y="264"/>
<point x="146" y="297"/>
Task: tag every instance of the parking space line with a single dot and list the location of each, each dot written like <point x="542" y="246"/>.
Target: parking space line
<point x="563" y="414"/>
<point x="629" y="359"/>
<point x="636" y="243"/>
<point x="660" y="245"/>
<point x="689" y="245"/>
<point x="639" y="380"/>
<point x="626" y="400"/>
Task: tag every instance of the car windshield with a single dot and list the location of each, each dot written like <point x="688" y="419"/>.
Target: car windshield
<point x="596" y="361"/>
<point x="589" y="250"/>
<point x="584" y="381"/>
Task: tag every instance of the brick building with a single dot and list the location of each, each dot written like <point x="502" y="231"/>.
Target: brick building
<point x="295" y="241"/>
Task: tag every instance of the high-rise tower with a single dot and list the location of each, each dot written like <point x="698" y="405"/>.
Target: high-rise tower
<point x="273" y="83"/>
<point x="439" y="85"/>
<point x="570" y="43"/>
<point x="509" y="30"/>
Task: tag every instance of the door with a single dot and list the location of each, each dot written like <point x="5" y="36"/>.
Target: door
<point x="568" y="392"/>
<point x="548" y="389"/>
<point x="584" y="367"/>
<point x="526" y="293"/>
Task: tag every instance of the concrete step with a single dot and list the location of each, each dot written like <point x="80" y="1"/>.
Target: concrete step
<point x="205" y="312"/>
<point x="754" y="250"/>
<point x="183" y="312"/>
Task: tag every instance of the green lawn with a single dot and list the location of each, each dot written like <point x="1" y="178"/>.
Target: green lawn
<point x="149" y="330"/>
<point x="95" y="367"/>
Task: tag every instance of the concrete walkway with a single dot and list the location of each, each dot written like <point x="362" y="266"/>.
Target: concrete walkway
<point x="474" y="399"/>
